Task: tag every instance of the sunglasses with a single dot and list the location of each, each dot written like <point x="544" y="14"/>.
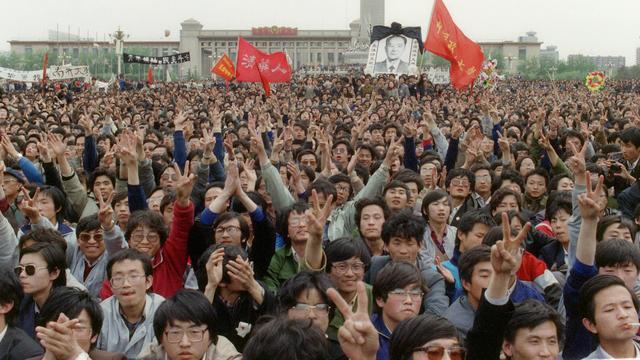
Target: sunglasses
<point x="436" y="352"/>
<point x="29" y="269"/>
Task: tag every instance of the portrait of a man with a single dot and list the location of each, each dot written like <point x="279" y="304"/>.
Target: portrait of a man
<point x="393" y="64"/>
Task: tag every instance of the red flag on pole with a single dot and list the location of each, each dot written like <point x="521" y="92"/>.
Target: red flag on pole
<point x="253" y="65"/>
<point x="45" y="62"/>
<point x="224" y="68"/>
<point x="150" y="75"/>
<point x="446" y="40"/>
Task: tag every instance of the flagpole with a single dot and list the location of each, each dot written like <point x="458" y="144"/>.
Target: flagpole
<point x="430" y="16"/>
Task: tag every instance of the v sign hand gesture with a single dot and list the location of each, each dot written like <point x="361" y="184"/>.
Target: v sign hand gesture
<point x="357" y="336"/>
<point x="506" y="254"/>
<point x="184" y="185"/>
<point x="105" y="213"/>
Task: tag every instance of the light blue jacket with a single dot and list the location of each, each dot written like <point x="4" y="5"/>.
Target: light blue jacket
<point x="114" y="336"/>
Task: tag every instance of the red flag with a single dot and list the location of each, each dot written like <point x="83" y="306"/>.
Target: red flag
<point x="224" y="68"/>
<point x="150" y="75"/>
<point x="253" y="65"/>
<point x="45" y="62"/>
<point x="446" y="40"/>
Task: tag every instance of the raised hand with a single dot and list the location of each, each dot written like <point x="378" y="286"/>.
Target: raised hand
<point x="317" y="218"/>
<point x="506" y="254"/>
<point x="228" y="146"/>
<point x="8" y="147"/>
<point x="393" y="152"/>
<point x="105" y="212"/>
<point x="57" y="146"/>
<point x="208" y="141"/>
<point x="179" y="121"/>
<point x="577" y="163"/>
<point x="410" y="129"/>
<point x="589" y="203"/>
<point x="214" y="268"/>
<point x="446" y="273"/>
<point x="58" y="338"/>
<point x="28" y="206"/>
<point x="44" y="151"/>
<point x="357" y="336"/>
<point x="184" y="184"/>
<point x="126" y="149"/>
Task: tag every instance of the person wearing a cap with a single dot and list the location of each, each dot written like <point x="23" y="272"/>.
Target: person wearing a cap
<point x="12" y="182"/>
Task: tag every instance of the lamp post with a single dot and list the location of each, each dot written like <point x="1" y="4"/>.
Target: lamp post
<point x="553" y="70"/>
<point x="118" y="39"/>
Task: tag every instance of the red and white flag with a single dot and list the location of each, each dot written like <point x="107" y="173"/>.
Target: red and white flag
<point x="253" y="65"/>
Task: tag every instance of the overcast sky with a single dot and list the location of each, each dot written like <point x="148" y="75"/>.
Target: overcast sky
<point x="591" y="27"/>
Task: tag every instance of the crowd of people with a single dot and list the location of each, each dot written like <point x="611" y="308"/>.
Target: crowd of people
<point x="342" y="217"/>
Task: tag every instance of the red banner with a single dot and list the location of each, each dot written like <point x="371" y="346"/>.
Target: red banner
<point x="150" y="75"/>
<point x="224" y="68"/>
<point x="446" y="40"/>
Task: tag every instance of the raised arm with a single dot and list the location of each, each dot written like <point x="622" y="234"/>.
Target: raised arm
<point x="313" y="253"/>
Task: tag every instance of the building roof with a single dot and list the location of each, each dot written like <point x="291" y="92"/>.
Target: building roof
<point x="91" y="42"/>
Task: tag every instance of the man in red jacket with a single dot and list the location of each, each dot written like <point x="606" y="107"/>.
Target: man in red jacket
<point x="147" y="232"/>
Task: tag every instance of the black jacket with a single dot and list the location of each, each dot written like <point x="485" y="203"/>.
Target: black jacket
<point x="484" y="340"/>
<point x="243" y="310"/>
<point x="553" y="255"/>
<point x="17" y="345"/>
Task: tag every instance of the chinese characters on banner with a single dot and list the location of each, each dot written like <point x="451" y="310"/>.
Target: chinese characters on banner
<point x="53" y="73"/>
<point x="446" y="40"/>
<point x="254" y="65"/>
<point x="157" y="60"/>
<point x="224" y="68"/>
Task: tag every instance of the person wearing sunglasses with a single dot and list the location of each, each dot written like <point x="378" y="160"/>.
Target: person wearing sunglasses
<point x="98" y="236"/>
<point x="41" y="268"/>
<point x="14" y="343"/>
<point x="184" y="328"/>
<point x="426" y="337"/>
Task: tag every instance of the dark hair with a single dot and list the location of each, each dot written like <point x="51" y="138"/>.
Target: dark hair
<point x="231" y="252"/>
<point x="471" y="218"/>
<point x="282" y="220"/>
<point x="305" y="280"/>
<point x="227" y="216"/>
<point x="59" y="200"/>
<point x="322" y="186"/>
<point x="370" y="201"/>
<point x="133" y="255"/>
<point x="119" y="196"/>
<point x="540" y="172"/>
<point x="553" y="184"/>
<point x="405" y="225"/>
<point x="397" y="275"/>
<point x="48" y="236"/>
<point x="572" y="133"/>
<point x="588" y="292"/>
<point x="101" y="172"/>
<point x="188" y="306"/>
<point x="499" y="195"/>
<point x="460" y="172"/>
<point x="513" y="176"/>
<point x="287" y="339"/>
<point x="151" y="219"/>
<point x="393" y="184"/>
<point x="53" y="256"/>
<point x="530" y="314"/>
<point x="609" y="220"/>
<point x="617" y="252"/>
<point x="430" y="198"/>
<point x="409" y="176"/>
<point x="417" y="331"/>
<point x="344" y="142"/>
<point x="10" y="293"/>
<point x="87" y="223"/>
<point x="168" y="199"/>
<point x="237" y="206"/>
<point x="344" y="249"/>
<point x="558" y="201"/>
<point x="338" y="178"/>
<point x="71" y="301"/>
<point x="631" y="135"/>
<point x="470" y="259"/>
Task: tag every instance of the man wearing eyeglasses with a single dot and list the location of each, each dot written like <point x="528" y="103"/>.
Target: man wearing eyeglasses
<point x="398" y="291"/>
<point x="129" y="313"/>
<point x="184" y="328"/>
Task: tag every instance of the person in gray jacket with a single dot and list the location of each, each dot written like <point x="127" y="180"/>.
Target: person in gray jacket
<point x="129" y="313"/>
<point x="403" y="234"/>
<point x="98" y="237"/>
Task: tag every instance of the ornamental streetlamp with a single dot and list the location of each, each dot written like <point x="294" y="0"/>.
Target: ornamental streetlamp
<point x="118" y="39"/>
